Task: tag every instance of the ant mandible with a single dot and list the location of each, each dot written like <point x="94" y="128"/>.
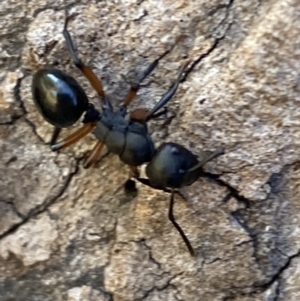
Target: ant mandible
<point x="61" y="101"/>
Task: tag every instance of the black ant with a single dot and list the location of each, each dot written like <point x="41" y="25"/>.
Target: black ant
<point x="61" y="101"/>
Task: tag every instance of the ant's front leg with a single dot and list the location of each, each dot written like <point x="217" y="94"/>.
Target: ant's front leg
<point x="171" y="206"/>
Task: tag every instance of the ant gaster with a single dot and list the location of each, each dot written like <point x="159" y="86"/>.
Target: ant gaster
<point x="61" y="101"/>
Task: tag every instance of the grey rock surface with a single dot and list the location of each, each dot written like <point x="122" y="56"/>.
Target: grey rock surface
<point x="69" y="233"/>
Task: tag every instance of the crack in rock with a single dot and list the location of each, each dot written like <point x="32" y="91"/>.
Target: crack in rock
<point x="214" y="46"/>
<point x="44" y="206"/>
<point x="15" y="210"/>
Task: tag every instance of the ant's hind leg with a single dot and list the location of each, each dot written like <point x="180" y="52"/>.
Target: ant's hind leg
<point x="55" y="135"/>
<point x="73" y="138"/>
<point x="94" y="155"/>
<point x="86" y="71"/>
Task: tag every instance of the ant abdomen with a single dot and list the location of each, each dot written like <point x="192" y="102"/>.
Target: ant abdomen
<point x="58" y="97"/>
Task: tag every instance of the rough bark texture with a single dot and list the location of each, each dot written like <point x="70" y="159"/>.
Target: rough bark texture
<point x="67" y="233"/>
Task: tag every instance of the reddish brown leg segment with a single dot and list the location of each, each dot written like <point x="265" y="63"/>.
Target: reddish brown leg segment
<point x="76" y="136"/>
<point x="86" y="71"/>
<point x="130" y="96"/>
<point x="93" y="79"/>
<point x="135" y="171"/>
<point x="139" y="114"/>
<point x="134" y="88"/>
<point x="94" y="155"/>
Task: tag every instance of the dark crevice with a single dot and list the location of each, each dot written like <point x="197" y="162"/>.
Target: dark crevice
<point x="139" y="2"/>
<point x="261" y="288"/>
<point x="232" y="191"/>
<point x="228" y="7"/>
<point x="160" y="288"/>
<point x="12" y="205"/>
<point x="281" y="252"/>
<point x="43" y="207"/>
<point x="220" y="7"/>
<point x="246" y="242"/>
<point x="151" y="258"/>
<point x="33" y="128"/>
<point x="211" y="262"/>
<point x="146" y="293"/>
<point x="15" y="115"/>
<point x="17" y="92"/>
<point x="18" y="98"/>
<point x="214" y="45"/>
<point x="237" y="215"/>
<point x="276" y="277"/>
<point x="14" y="119"/>
<point x="56" y="8"/>
<point x="258" y="288"/>
<point x="226" y="198"/>
<point x="253" y="236"/>
<point x="11" y="160"/>
<point x="275" y="179"/>
<point x="201" y="57"/>
<point x="276" y="185"/>
<point x="145" y="14"/>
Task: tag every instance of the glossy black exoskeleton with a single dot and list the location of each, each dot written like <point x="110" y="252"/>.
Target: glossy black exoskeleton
<point x="126" y="138"/>
<point x="61" y="101"/>
<point x="58" y="97"/>
<point x="173" y="167"/>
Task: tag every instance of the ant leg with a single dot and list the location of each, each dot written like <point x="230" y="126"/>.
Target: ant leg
<point x="90" y="120"/>
<point x="55" y="135"/>
<point x="164" y="111"/>
<point x="129" y="185"/>
<point x="135" y="171"/>
<point x="172" y="219"/>
<point x="140" y="114"/>
<point x="147" y="183"/>
<point x="168" y="96"/>
<point x="86" y="71"/>
<point x="135" y="87"/>
<point x="76" y="136"/>
<point x="94" y="155"/>
<point x="171" y="215"/>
